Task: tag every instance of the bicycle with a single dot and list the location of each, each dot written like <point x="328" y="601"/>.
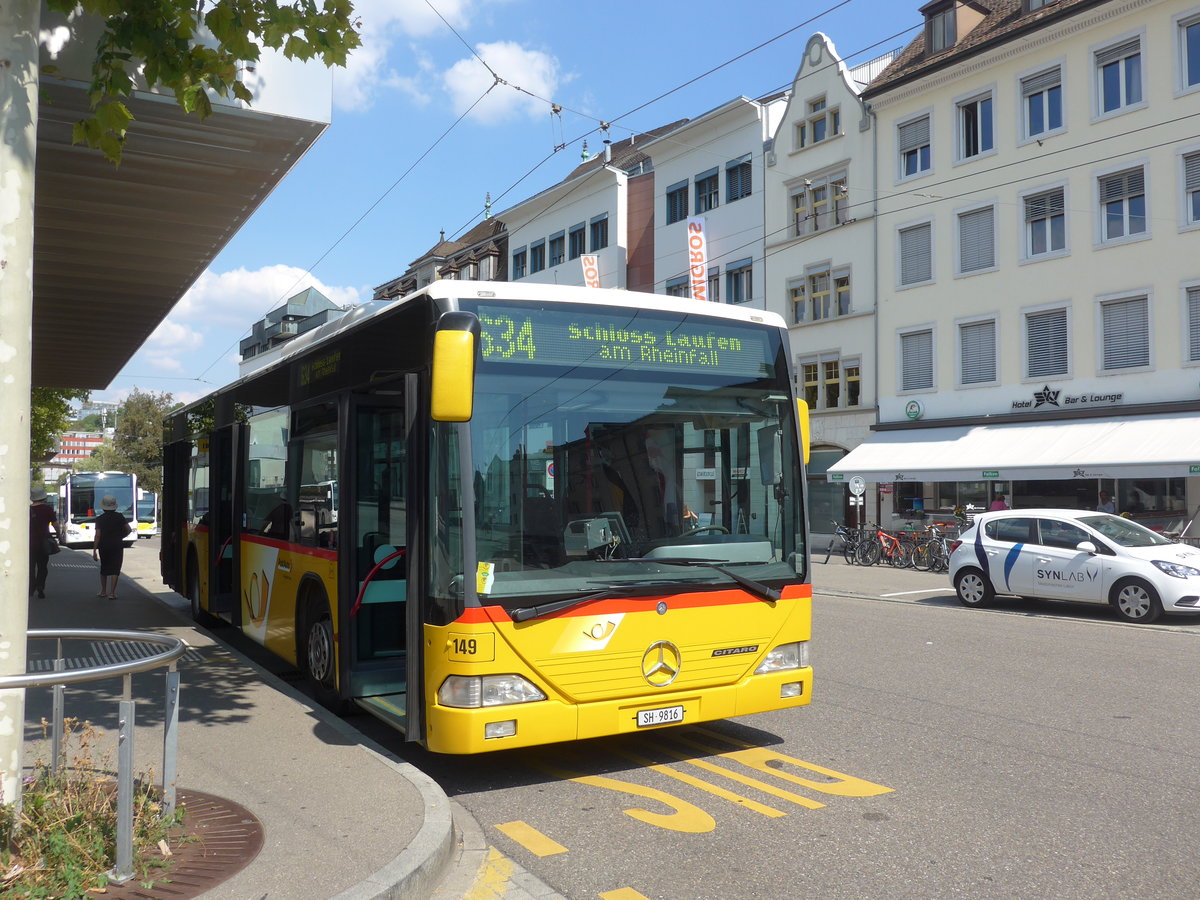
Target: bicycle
<point x="850" y="540"/>
<point x="884" y="546"/>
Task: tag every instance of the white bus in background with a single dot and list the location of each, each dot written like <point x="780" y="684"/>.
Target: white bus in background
<point x="81" y="494"/>
<point x="147" y="514"/>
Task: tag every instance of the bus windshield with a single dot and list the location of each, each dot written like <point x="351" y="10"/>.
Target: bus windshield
<point x="87" y="489"/>
<point x="590" y="477"/>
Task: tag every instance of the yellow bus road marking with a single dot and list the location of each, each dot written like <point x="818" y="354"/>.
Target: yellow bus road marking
<point x="685" y="817"/>
<point x="744" y="802"/>
<point x="531" y="839"/>
<point x="771" y="762"/>
<point x="622" y="894"/>
<point x="493" y="878"/>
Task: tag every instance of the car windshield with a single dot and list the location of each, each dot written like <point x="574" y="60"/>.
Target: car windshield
<point x="1124" y="532"/>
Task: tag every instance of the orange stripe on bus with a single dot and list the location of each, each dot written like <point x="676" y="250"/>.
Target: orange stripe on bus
<point x="497" y="614"/>
<point x="291" y="548"/>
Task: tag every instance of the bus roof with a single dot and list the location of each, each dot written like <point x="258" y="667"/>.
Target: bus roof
<point x="446" y="289"/>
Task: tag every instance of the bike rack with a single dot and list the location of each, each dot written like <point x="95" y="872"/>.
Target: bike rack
<point x="173" y="649"/>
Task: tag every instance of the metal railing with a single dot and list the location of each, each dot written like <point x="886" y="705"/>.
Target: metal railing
<point x="174" y="648"/>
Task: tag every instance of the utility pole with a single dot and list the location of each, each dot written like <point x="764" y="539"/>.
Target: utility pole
<point x="19" y="23"/>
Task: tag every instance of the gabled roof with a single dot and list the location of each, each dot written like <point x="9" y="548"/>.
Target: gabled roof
<point x="1005" y="21"/>
<point x="625" y="154"/>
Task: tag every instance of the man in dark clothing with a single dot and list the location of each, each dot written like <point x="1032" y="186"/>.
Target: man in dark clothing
<point x="42" y="522"/>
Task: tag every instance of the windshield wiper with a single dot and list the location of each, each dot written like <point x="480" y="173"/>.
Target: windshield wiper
<point x="525" y="613"/>
<point x="755" y="587"/>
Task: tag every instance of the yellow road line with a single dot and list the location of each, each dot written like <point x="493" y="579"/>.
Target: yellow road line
<point x="744" y="802"/>
<point x="622" y="894"/>
<point x="531" y="839"/>
<point x="492" y="879"/>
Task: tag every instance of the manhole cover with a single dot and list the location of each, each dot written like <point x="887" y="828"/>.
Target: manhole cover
<point x="218" y="838"/>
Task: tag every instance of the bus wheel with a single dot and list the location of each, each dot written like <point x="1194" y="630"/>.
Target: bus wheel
<point x="317" y="658"/>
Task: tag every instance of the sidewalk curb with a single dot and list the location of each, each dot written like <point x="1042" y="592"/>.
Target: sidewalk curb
<point x="416" y="870"/>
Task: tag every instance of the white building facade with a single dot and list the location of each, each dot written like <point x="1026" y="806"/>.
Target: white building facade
<point x="1039" y="259"/>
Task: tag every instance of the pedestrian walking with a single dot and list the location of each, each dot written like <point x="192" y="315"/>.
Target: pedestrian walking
<point x="111" y="531"/>
<point x="42" y="524"/>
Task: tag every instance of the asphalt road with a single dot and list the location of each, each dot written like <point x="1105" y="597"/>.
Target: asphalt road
<point x="1035" y="750"/>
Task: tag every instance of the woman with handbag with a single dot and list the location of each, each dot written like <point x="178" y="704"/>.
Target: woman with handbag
<point x="44" y="536"/>
<point x="111" y="530"/>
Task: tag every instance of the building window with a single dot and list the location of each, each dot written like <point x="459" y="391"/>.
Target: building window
<point x="833" y="383"/>
<point x="518" y="264"/>
<point x="1119" y="76"/>
<point x="537" y="257"/>
<point x="828" y="295"/>
<point x="940" y="30"/>
<point x="975" y="135"/>
<point x="1123" y="204"/>
<point x="1193" y="314"/>
<point x="557" y="248"/>
<point x="977" y="240"/>
<point x="679" y="287"/>
<point x="821" y="123"/>
<point x="916" y="360"/>
<point x="599" y="238"/>
<point x="677" y="202"/>
<point x="1047" y="349"/>
<point x="575" y="242"/>
<point x="1038" y="4"/>
<point x="714" y="284"/>
<point x="1191" y="188"/>
<point x="913" y="142"/>
<point x="706" y="191"/>
<point x="739" y="285"/>
<point x="977" y="352"/>
<point x="916" y="254"/>
<point x="737" y="179"/>
<point x="1126" y="326"/>
<point x="1045" y="223"/>
<point x="1189" y="38"/>
<point x="820" y="203"/>
<point x="1041" y="96"/>
<point x="796" y="294"/>
<point x="810" y="374"/>
<point x="852" y="372"/>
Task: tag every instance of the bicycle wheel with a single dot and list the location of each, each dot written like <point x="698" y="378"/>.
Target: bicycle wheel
<point x="903" y="558"/>
<point x="920" y="556"/>
<point x="939" y="561"/>
<point x="850" y="551"/>
<point x="868" y="552"/>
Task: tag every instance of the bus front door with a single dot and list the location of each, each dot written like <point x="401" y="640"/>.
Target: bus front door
<point x="221" y="595"/>
<point x="377" y="506"/>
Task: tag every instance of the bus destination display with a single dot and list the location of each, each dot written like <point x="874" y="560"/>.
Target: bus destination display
<point x="629" y="340"/>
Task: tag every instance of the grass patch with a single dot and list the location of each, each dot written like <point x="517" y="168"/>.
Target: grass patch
<point x="63" y="841"/>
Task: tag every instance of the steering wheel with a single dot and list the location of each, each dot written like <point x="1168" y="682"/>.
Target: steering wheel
<point x="702" y="528"/>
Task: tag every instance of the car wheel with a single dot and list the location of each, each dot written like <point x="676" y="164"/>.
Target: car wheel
<point x="1135" y="601"/>
<point x="973" y="588"/>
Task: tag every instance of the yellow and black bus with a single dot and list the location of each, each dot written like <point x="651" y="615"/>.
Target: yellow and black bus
<point x="498" y="515"/>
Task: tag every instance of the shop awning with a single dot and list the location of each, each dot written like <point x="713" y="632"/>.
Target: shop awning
<point x="1160" y="446"/>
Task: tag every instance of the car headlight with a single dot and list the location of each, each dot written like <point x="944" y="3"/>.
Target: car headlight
<point x="474" y="691"/>
<point x="785" y="656"/>
<point x="1176" y="570"/>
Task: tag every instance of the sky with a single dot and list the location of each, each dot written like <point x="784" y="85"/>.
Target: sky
<point x="401" y="162"/>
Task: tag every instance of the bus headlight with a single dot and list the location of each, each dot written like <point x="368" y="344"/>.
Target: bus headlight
<point x="785" y="656"/>
<point x="474" y="691"/>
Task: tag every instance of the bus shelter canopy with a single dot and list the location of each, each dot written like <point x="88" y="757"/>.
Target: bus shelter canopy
<point x="1158" y="446"/>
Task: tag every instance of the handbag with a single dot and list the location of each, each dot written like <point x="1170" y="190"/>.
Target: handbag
<point x="52" y="545"/>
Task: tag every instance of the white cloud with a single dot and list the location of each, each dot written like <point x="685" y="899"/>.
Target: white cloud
<point x="531" y="70"/>
<point x="241" y="297"/>
<point x="384" y="23"/>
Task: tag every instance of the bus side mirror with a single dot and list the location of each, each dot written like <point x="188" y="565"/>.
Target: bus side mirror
<point x="805" y="428"/>
<point x="452" y="395"/>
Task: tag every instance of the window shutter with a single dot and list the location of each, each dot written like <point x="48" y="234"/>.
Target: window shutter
<point x="1193" y="302"/>
<point x="1120" y="51"/>
<point x="916" y="254"/>
<point x="1046" y="343"/>
<point x="1043" y="81"/>
<point x="976" y="236"/>
<point x="1126" y="333"/>
<point x="914" y="134"/>
<point x="916" y="354"/>
<point x="977" y="346"/>
<point x="1122" y="184"/>
<point x="1044" y="205"/>
<point x="1191" y="172"/>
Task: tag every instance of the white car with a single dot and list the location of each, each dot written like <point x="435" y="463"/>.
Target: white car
<point x="1068" y="554"/>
